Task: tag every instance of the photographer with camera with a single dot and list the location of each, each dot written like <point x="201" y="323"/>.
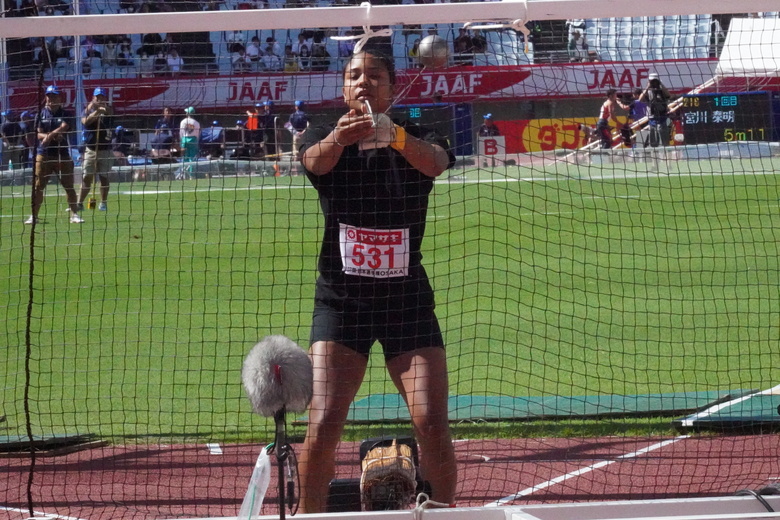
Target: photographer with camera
<point x="657" y="98"/>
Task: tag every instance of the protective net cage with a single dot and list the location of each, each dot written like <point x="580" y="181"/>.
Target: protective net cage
<point x="605" y="266"/>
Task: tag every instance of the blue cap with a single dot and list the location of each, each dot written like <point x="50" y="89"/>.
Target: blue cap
<point x="239" y="123"/>
<point x="119" y="128"/>
<point x="268" y="103"/>
<point x="100" y="91"/>
<point x="215" y="123"/>
<point x="298" y="103"/>
<point x="53" y="89"/>
<point x="488" y="116"/>
<point x="25" y="115"/>
<point x="258" y="105"/>
<point x="6" y="113"/>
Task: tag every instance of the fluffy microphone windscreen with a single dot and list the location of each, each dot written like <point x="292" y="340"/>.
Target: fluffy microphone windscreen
<point x="277" y="373"/>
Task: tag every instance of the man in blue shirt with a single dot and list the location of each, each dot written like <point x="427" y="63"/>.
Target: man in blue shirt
<point x="53" y="154"/>
<point x="298" y="123"/>
<point x="11" y="135"/>
<point x="268" y="125"/>
<point x="98" y="157"/>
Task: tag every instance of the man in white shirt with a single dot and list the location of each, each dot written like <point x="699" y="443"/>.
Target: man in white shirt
<point x="253" y="52"/>
<point x="189" y="132"/>
<point x="175" y="62"/>
<point x="271" y="61"/>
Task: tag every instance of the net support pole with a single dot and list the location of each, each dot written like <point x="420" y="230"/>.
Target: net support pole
<point x="78" y="101"/>
<point x="4" y="96"/>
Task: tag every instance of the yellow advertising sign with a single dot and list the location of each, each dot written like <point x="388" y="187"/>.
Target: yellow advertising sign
<point x="541" y="135"/>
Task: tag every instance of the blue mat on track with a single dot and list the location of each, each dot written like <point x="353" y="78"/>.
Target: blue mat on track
<point x="756" y="412"/>
<point x="378" y="408"/>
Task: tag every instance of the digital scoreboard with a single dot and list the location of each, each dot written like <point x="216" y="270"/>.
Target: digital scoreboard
<point x="717" y="118"/>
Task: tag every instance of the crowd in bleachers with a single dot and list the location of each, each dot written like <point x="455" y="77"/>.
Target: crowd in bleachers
<point x="239" y="52"/>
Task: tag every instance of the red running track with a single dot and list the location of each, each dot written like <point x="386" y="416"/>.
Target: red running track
<point x="183" y="481"/>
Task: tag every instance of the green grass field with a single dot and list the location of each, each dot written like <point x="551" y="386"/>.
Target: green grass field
<point x="569" y="280"/>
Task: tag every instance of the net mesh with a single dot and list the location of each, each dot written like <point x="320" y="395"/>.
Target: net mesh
<point x="592" y="287"/>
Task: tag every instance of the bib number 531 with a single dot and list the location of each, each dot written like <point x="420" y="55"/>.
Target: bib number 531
<point x="374" y="253"/>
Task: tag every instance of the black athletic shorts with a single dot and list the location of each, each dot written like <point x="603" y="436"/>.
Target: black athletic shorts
<point x="399" y="323"/>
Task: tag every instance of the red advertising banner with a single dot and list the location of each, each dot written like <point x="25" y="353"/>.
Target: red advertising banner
<point x="233" y="93"/>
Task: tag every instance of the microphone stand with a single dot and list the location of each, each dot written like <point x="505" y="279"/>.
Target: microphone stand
<point x="282" y="450"/>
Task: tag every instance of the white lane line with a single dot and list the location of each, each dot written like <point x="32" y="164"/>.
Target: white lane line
<point x="214" y="448"/>
<point x="582" y="471"/>
<point x="690" y="421"/>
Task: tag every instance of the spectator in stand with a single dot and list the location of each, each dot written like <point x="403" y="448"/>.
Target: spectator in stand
<point x="235" y="41"/>
<point x="270" y="61"/>
<point x="304" y="60"/>
<point x="479" y="43"/>
<point x="27" y="8"/>
<point x="128" y="6"/>
<point x="169" y="44"/>
<point x="124" y="55"/>
<point x="89" y="49"/>
<point x="151" y="43"/>
<point x="253" y="52"/>
<point x="189" y="132"/>
<point x="240" y="63"/>
<point x="578" y="47"/>
<point x="212" y="5"/>
<point x="290" y="60"/>
<point x="163" y="6"/>
<point x="302" y="50"/>
<point x="59" y="51"/>
<point x="488" y="127"/>
<point x="346" y="47"/>
<point x="110" y="51"/>
<point x="145" y="65"/>
<point x="463" y="47"/>
<point x="274" y="46"/>
<point x="175" y="62"/>
<point x="160" y="64"/>
<point x="320" y="59"/>
<point x="53" y="154"/>
<point x="39" y="54"/>
<point x="414" y="54"/>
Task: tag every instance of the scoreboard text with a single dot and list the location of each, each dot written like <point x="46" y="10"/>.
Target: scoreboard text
<point x="716" y="118"/>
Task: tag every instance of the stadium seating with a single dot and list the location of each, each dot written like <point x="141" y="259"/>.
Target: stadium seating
<point x="610" y="39"/>
<point x="652" y="38"/>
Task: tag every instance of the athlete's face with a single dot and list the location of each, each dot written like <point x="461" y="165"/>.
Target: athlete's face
<point x="366" y="78"/>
